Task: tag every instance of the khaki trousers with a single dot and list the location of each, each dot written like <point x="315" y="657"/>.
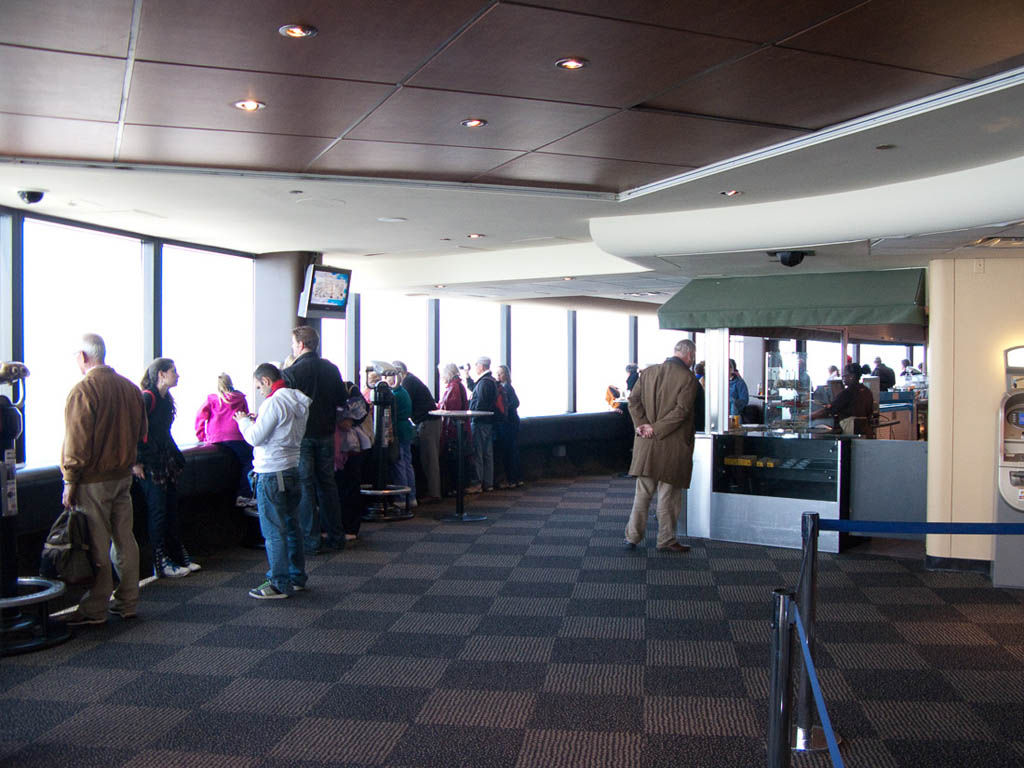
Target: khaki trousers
<point x="668" y="509"/>
<point x="108" y="507"/>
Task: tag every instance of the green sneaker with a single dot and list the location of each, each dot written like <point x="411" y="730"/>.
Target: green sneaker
<point x="266" y="591"/>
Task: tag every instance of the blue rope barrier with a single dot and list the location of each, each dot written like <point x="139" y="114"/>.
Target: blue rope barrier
<point x="878" y="526"/>
<point x="819" y="699"/>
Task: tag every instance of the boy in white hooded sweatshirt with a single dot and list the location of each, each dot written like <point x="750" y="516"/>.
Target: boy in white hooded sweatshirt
<point x="275" y="434"/>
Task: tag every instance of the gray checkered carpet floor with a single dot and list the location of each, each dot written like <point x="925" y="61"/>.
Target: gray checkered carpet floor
<point x="529" y="639"/>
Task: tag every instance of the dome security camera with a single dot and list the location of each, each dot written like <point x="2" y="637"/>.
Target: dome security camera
<point x="790" y="258"/>
<point x="31" y="196"/>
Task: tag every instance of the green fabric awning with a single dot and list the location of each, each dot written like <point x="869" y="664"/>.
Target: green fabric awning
<point x="891" y="297"/>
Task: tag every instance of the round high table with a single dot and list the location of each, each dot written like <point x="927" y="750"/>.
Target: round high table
<point x="460" y="482"/>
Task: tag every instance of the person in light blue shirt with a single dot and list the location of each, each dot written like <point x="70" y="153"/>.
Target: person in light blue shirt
<point x="738" y="394"/>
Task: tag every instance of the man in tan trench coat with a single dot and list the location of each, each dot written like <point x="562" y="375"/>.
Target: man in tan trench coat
<point x="662" y="408"/>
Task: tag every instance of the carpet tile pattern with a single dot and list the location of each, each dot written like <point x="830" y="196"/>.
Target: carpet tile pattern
<point x="532" y="639"/>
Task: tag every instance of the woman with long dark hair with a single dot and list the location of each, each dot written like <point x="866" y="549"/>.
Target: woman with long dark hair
<point x="157" y="468"/>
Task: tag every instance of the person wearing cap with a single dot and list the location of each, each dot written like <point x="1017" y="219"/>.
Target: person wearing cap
<point x="428" y="430"/>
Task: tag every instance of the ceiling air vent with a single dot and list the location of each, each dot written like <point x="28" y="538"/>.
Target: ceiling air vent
<point x="999" y="242"/>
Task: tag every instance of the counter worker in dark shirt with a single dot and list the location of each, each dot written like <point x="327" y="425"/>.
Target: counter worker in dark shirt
<point x="485" y="398"/>
<point x="428" y="430"/>
<point x="319" y="380"/>
<point x="856" y="401"/>
<point x="104" y="420"/>
<point x="886" y="375"/>
<point x="738" y="394"/>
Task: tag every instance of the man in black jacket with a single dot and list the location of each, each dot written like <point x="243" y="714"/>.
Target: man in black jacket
<point x="886" y="375"/>
<point x="321" y="381"/>
<point x="428" y="430"/>
<point x="485" y="398"/>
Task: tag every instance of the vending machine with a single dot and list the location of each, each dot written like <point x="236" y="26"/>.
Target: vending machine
<point x="1008" y="567"/>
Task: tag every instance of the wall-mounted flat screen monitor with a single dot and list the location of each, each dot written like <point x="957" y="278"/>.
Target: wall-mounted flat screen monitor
<point x="325" y="292"/>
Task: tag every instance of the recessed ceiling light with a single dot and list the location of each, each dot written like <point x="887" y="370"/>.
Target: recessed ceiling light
<point x="475" y="235"/>
<point x="440" y="285"/>
<point x="883" y="147"/>
<point x="568" y="278"/>
<point x="249" y="105"/>
<point x="297" y="31"/>
<point x="473" y="122"/>
<point x="295" y="192"/>
<point x="391" y="219"/>
<point x="731" y="192"/>
<point x="572" y="62"/>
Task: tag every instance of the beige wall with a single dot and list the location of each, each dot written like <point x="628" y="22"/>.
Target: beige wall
<point x="974" y="314"/>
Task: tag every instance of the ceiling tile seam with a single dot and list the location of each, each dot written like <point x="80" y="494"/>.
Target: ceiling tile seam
<point x="129" y="68"/>
<point x="638" y="22"/>
<point x="823" y="22"/>
<point x="32" y="115"/>
<point x="489" y="172"/>
<point x="875" y="63"/>
<point x="401" y="83"/>
<point x="227" y="130"/>
<point x="721" y="119"/>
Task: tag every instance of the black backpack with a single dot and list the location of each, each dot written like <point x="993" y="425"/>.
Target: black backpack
<point x="66" y="554"/>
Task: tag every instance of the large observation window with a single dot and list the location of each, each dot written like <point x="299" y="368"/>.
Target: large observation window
<point x="602" y="351"/>
<point x="76" y="281"/>
<point x="394" y="327"/>
<point x="540" y="359"/>
<point x="470" y="328"/>
<point x="334" y="344"/>
<point x="207" y="328"/>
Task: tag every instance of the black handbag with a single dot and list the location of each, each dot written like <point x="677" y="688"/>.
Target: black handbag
<point x="66" y="553"/>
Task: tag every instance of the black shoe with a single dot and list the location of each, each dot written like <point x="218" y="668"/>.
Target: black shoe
<point x="629" y="545"/>
<point x="675" y="546"/>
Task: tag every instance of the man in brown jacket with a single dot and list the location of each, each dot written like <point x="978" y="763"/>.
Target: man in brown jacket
<point x="662" y="408"/>
<point x="104" y="421"/>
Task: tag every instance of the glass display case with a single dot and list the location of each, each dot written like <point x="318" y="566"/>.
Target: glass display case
<point x="787" y="390"/>
<point x="792" y="467"/>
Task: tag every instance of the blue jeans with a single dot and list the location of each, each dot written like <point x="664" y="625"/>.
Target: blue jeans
<point x="243" y="452"/>
<point x="319" y="507"/>
<point x="402" y="472"/>
<point x="483" y="453"/>
<point x="277" y="497"/>
<point x="162" y="516"/>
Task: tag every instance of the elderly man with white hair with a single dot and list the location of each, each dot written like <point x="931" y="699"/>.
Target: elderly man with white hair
<point x="104" y="421"/>
<point x="485" y="398"/>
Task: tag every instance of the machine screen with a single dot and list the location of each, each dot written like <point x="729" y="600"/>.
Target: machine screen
<point x="1017" y="418"/>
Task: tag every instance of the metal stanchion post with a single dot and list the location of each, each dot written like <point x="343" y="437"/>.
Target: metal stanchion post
<point x="807" y="736"/>
<point x="780" y="692"/>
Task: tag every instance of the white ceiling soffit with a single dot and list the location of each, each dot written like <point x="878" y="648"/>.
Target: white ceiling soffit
<point x="540" y="263"/>
<point x="971" y="198"/>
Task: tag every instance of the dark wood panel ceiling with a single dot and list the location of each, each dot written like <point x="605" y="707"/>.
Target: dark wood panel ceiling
<point x="101" y="27"/>
<point x="433" y="117"/>
<point x="381" y="41"/>
<point x="652" y="137"/>
<point x="53" y="84"/>
<point x="295" y="105"/>
<point x="227" y="149"/>
<point x="30" y="136"/>
<point x="949" y="37"/>
<point x="762" y="21"/>
<point x="513" y="49"/>
<point x="542" y="169"/>
<point x="386" y="83"/>
<point x="410" y="161"/>
<point x="808" y="90"/>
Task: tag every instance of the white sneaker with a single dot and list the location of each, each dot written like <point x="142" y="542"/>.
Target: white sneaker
<point x="193" y="567"/>
<point x="171" y="571"/>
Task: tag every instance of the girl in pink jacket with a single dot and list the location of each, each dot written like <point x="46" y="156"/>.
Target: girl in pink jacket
<point x="215" y="423"/>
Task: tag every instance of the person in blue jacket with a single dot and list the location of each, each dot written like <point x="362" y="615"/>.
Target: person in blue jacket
<point x="738" y="394"/>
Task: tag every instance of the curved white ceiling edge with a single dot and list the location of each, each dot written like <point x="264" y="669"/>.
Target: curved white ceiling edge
<point x="549" y="262"/>
<point x="975" y="197"/>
